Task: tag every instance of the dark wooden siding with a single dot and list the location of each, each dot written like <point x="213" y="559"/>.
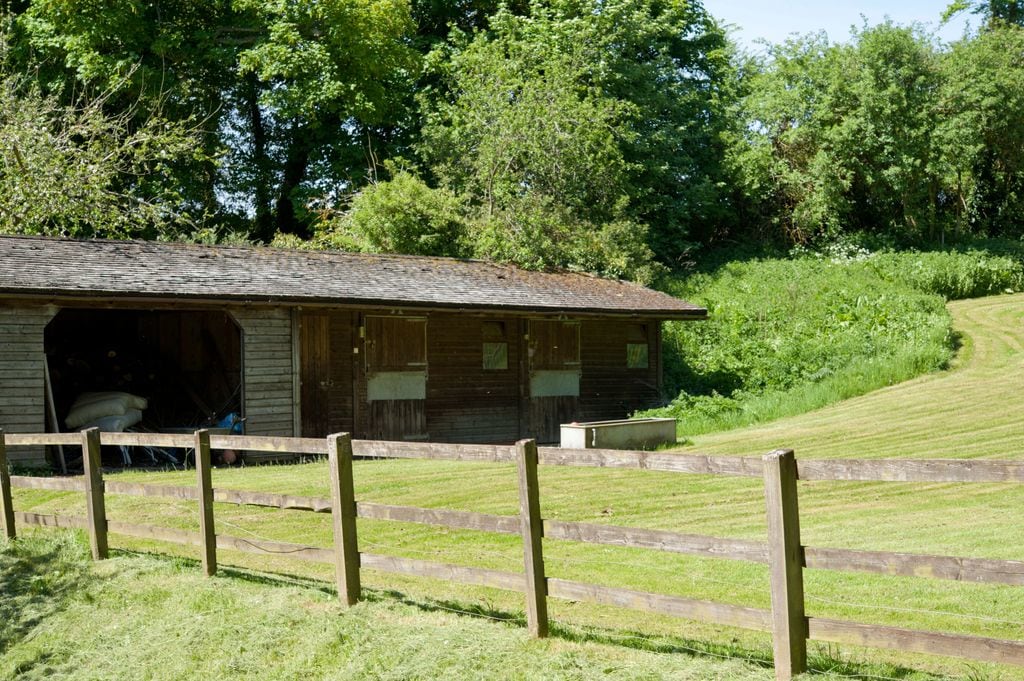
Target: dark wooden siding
<point x="608" y="389"/>
<point x="268" y="378"/>
<point x="465" y="402"/>
<point x="343" y="335"/>
<point x="314" y="372"/>
<point x="22" y="405"/>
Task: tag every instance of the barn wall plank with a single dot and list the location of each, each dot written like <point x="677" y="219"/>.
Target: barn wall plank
<point x="268" y="377"/>
<point x="465" y="402"/>
<point x="21" y="376"/>
<point x="608" y="389"/>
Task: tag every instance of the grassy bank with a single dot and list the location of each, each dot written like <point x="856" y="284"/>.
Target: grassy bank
<point x="786" y="336"/>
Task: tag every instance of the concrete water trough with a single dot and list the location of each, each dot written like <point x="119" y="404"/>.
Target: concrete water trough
<point x="620" y="434"/>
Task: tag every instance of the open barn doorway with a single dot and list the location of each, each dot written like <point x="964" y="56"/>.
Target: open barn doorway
<point x="185" y="366"/>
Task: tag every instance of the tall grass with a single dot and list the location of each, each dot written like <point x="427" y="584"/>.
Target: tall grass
<point x="788" y="335"/>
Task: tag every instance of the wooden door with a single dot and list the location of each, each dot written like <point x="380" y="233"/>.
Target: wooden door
<point x="315" y="373"/>
<point x="396" y="377"/>
<point x="554" y="388"/>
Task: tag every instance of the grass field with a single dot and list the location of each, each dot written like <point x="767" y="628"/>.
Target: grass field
<point x="153" y="616"/>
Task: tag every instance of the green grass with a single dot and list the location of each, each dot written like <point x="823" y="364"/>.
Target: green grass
<point x="277" y="615"/>
<point x="788" y="335"/>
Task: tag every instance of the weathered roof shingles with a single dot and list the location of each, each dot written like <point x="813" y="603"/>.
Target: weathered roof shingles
<point x="56" y="268"/>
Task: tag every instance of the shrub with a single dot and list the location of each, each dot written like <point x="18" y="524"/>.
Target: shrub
<point x="953" y="275"/>
<point x="401" y="215"/>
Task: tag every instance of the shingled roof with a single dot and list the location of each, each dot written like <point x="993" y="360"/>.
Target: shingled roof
<point x="61" y="268"/>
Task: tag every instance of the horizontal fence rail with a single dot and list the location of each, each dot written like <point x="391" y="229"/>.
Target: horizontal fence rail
<point x="783" y="553"/>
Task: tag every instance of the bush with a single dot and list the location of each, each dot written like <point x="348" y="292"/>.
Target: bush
<point x="952" y="275"/>
<point x="401" y="215"/>
<point x="789" y="335"/>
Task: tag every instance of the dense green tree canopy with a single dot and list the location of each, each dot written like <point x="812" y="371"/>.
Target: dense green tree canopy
<point x="840" y="137"/>
<point x="614" y="136"/>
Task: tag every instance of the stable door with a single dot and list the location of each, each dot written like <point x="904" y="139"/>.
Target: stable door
<point x="396" y="377"/>
<point x="554" y="361"/>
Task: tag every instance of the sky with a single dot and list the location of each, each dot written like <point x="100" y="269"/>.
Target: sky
<point x="775" y="20"/>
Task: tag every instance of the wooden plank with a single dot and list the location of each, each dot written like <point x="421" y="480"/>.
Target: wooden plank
<point x="75" y="484"/>
<point x="460" y="520"/>
<point x="290" y="445"/>
<point x="135" y="489"/>
<point x="910" y="640"/>
<point x="166" y="534"/>
<point x="703" y="464"/>
<point x="6" y="502"/>
<point x="452" y="573"/>
<point x="283" y="501"/>
<point x="295" y="359"/>
<point x="789" y="625"/>
<point x="51" y="412"/>
<point x="96" y="512"/>
<point x="23" y="376"/>
<point x="687" y="608"/>
<point x="911" y="470"/>
<point x="661" y="540"/>
<point x="533" y="531"/>
<point x="917" y="565"/>
<point x="380" y="449"/>
<point x="34" y="439"/>
<point x="204" y="494"/>
<point x="44" y="520"/>
<point x="171" y="440"/>
<point x="343" y="514"/>
<point x="264" y="547"/>
<point x="9" y="401"/>
<point x="24" y="392"/>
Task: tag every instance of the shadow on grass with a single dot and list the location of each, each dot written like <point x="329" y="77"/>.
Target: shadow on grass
<point x="822" y="659"/>
<point x="40" y="576"/>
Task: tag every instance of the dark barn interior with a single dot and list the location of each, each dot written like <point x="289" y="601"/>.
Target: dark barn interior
<point x="187" y="364"/>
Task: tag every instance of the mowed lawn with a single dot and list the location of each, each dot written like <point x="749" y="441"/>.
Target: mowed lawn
<point x="274" y="617"/>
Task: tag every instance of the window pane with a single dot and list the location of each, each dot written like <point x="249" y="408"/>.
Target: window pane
<point x="495" y="355"/>
<point x="636" y="355"/>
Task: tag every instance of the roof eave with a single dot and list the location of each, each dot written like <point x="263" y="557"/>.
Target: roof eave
<point x="70" y="295"/>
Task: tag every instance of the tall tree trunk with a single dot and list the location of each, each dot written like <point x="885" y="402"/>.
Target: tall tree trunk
<point x="264" y="227"/>
<point x="300" y="145"/>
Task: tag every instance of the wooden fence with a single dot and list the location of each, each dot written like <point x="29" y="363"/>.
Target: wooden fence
<point x="782" y="552"/>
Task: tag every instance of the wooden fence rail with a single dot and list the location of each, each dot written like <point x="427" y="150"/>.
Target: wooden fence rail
<point x="783" y="552"/>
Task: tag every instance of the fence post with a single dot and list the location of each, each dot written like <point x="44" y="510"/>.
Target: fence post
<point x="95" y="505"/>
<point x="789" y="625"/>
<point x="343" y="514"/>
<point x="5" y="492"/>
<point x="207" y="533"/>
<point x="532" y="531"/>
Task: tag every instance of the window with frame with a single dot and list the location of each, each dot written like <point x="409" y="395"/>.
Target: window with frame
<point x="637" y="347"/>
<point x="495" y="345"/>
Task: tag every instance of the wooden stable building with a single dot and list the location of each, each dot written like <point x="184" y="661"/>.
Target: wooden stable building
<point x="309" y="343"/>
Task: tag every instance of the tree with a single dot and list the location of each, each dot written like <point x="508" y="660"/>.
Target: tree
<point x="76" y="171"/>
<point x="982" y="130"/>
<point x="992" y="11"/>
<point x="400" y="215"/>
<point x="287" y="92"/>
<point x="841" y="137"/>
<point x="579" y="115"/>
<point x="326" y="73"/>
<point x="172" y="58"/>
